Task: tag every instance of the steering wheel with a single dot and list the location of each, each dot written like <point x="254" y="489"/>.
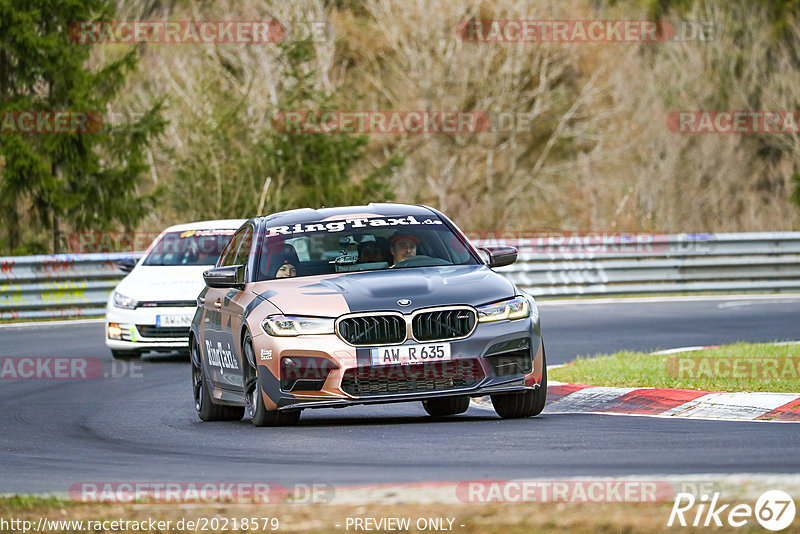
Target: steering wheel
<point x="421" y="261"/>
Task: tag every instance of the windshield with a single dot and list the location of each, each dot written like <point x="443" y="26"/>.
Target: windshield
<point x="359" y="244"/>
<point x="190" y="247"/>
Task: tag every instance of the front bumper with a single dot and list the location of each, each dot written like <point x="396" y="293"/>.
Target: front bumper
<point x="141" y="329"/>
<point x="479" y="356"/>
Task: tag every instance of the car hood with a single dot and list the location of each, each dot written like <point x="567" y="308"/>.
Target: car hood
<point x="335" y="294"/>
<point x="163" y="283"/>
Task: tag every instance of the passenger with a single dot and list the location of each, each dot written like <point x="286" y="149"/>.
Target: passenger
<point x="403" y="246"/>
<point x="287" y="270"/>
<point x="369" y="252"/>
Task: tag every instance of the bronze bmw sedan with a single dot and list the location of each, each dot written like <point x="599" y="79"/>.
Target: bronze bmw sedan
<point x="362" y="305"/>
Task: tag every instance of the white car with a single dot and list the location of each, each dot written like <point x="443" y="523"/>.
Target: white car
<point x="152" y="307"/>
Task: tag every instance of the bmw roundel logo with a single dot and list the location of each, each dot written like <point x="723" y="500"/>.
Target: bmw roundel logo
<point x="404" y="302"/>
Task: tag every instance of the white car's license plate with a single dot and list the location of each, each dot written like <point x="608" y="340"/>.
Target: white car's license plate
<point x="174" y="320"/>
<point x="407" y="354"/>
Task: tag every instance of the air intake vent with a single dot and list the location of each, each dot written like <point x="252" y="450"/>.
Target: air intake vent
<point x="443" y="324"/>
<point x="150" y="331"/>
<point x="511" y="363"/>
<point x="415" y="378"/>
<point x="373" y="329"/>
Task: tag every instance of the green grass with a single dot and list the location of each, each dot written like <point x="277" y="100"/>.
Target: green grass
<point x="738" y="367"/>
<point x="32" y="502"/>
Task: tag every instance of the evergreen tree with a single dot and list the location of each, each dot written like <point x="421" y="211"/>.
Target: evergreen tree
<point x="230" y="170"/>
<point x="65" y="181"/>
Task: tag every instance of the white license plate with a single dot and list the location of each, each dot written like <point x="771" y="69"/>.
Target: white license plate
<point x="407" y="354"/>
<point x="174" y="320"/>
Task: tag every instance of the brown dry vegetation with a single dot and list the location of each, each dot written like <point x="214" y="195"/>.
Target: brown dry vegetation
<point x="598" y="154"/>
<point x="485" y="519"/>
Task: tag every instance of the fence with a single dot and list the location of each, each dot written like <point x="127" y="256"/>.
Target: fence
<point x="637" y="264"/>
<point x="61" y="285"/>
<point x="548" y="266"/>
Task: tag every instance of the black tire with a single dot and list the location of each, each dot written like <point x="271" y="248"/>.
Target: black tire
<point x="203" y="405"/>
<point x="445" y="406"/>
<point x="125" y="354"/>
<point x="258" y="413"/>
<point x="520" y="405"/>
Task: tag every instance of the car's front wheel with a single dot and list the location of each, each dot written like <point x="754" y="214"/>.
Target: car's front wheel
<point x="445" y="406"/>
<point x="527" y="404"/>
<point x="258" y="413"/>
<point x="207" y="410"/>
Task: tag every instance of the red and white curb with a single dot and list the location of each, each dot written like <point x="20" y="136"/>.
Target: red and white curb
<point x="666" y="402"/>
<point x="679" y="403"/>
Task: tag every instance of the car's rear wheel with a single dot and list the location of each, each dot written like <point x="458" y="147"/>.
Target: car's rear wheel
<point x="445" y="406"/>
<point x="520" y="405"/>
<point x="258" y="413"/>
<point x="206" y="409"/>
<point x="125" y="354"/>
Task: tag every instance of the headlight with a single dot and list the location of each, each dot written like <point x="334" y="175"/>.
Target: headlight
<point x="516" y="308"/>
<point x="284" y="325"/>
<point x="121" y="301"/>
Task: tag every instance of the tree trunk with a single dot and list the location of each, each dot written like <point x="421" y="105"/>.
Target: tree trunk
<point x="56" y="234"/>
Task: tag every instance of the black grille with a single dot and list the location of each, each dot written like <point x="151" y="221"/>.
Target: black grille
<point x="443" y="324"/>
<point x="147" y="330"/>
<point x="167" y="304"/>
<point x="434" y="376"/>
<point x="373" y="330"/>
<point x="511" y="363"/>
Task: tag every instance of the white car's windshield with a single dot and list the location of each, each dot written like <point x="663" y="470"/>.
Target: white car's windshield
<point x="190" y="247"/>
<point x="359" y="244"/>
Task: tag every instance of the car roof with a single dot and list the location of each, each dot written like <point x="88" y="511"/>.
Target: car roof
<point x="383" y="209"/>
<point x="221" y="224"/>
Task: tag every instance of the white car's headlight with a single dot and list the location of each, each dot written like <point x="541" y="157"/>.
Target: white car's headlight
<point x="121" y="301"/>
<point x="285" y="325"/>
<point x="516" y="308"/>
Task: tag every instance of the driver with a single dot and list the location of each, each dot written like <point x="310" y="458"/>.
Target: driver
<point x="287" y="270"/>
<point x="403" y="246"/>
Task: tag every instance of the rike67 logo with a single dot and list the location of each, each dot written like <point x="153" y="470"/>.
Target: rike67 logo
<point x="774" y="510"/>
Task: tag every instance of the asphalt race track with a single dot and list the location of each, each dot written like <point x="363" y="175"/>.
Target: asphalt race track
<point x="142" y="426"/>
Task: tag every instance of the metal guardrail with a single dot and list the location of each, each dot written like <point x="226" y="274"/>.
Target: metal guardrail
<point x="640" y="264"/>
<point x="548" y="266"/>
<point x="60" y="285"/>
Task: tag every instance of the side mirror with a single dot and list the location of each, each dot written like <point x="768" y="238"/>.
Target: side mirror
<point x="126" y="265"/>
<point x="231" y="276"/>
<point x="500" y="256"/>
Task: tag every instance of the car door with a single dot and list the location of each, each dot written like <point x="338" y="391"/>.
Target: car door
<point x="215" y="344"/>
<point x="232" y="302"/>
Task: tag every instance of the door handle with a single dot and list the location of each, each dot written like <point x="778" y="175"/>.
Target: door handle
<point x="217" y="303"/>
